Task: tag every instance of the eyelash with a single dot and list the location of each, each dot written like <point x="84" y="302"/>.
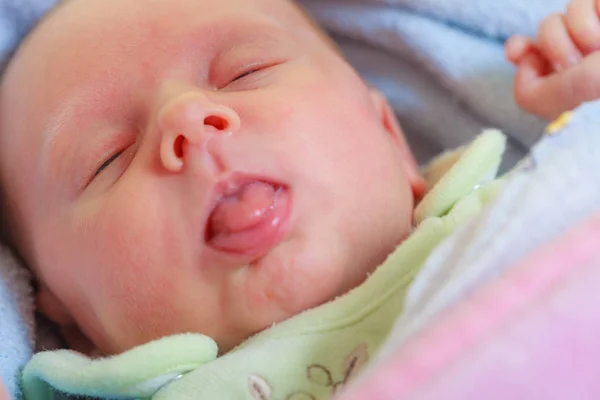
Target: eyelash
<point x="107" y="163"/>
<point x="245" y="74"/>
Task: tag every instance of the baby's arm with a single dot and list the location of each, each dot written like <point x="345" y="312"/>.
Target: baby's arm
<point x="560" y="69"/>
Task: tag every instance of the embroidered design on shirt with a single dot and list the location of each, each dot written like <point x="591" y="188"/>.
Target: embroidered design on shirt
<point x="259" y="388"/>
<point x="317" y="374"/>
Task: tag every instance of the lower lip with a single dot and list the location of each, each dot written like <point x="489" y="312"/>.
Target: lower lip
<point x="260" y="239"/>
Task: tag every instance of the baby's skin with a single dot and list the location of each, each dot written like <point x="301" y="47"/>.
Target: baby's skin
<point x="216" y="167"/>
<point x="559" y="70"/>
<point x="195" y="166"/>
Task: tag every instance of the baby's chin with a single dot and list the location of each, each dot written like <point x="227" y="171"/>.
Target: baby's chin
<point x="304" y="281"/>
<point x="287" y="281"/>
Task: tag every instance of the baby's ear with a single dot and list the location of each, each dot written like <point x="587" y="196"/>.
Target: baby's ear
<point x="51" y="306"/>
<point x="391" y="125"/>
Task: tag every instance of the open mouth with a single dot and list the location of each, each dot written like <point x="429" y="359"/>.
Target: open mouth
<point x="248" y="216"/>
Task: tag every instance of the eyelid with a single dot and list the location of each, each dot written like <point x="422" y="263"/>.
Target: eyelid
<point x="236" y="61"/>
<point x="227" y="75"/>
<point x="120" y="161"/>
<point x="250" y="72"/>
<point x="107" y="163"/>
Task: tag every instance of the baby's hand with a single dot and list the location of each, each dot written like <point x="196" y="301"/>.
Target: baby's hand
<point x="561" y="69"/>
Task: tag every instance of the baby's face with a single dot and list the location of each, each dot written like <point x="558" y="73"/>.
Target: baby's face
<point x="195" y="166"/>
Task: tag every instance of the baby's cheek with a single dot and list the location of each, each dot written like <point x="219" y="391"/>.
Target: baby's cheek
<point x="138" y="307"/>
<point x="136" y="279"/>
<point x="296" y="277"/>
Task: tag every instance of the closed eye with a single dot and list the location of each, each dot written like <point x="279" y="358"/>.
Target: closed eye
<point x="245" y="74"/>
<point x="107" y="163"/>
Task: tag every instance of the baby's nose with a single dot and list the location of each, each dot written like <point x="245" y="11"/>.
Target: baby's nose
<point x="191" y="119"/>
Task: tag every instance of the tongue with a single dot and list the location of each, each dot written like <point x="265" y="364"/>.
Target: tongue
<point x="242" y="210"/>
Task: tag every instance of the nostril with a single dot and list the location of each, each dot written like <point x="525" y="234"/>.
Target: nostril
<point x="218" y="123"/>
<point x="178" y="146"/>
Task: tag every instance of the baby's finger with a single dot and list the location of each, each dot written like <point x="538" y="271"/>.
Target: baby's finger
<point x="532" y="68"/>
<point x="556" y="44"/>
<point x="517" y="46"/>
<point x="583" y="25"/>
<point x="554" y="94"/>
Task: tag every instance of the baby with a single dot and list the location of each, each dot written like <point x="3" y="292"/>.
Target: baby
<point x="191" y="166"/>
<point x="195" y="166"/>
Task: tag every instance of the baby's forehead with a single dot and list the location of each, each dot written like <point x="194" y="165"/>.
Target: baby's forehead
<point x="69" y="17"/>
<point x="282" y="8"/>
<point x="107" y="24"/>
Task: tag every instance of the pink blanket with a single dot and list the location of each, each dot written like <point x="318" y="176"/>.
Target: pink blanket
<point x="533" y="333"/>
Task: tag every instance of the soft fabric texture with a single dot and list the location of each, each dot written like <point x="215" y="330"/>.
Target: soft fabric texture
<point x="441" y="63"/>
<point x="314" y="353"/>
<point x="16" y="19"/>
<point x="532" y="334"/>
<point x="16" y="320"/>
<point x="499" y="283"/>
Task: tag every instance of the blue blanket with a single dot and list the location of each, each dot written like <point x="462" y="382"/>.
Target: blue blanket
<point x="440" y="62"/>
<point x="16" y="320"/>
